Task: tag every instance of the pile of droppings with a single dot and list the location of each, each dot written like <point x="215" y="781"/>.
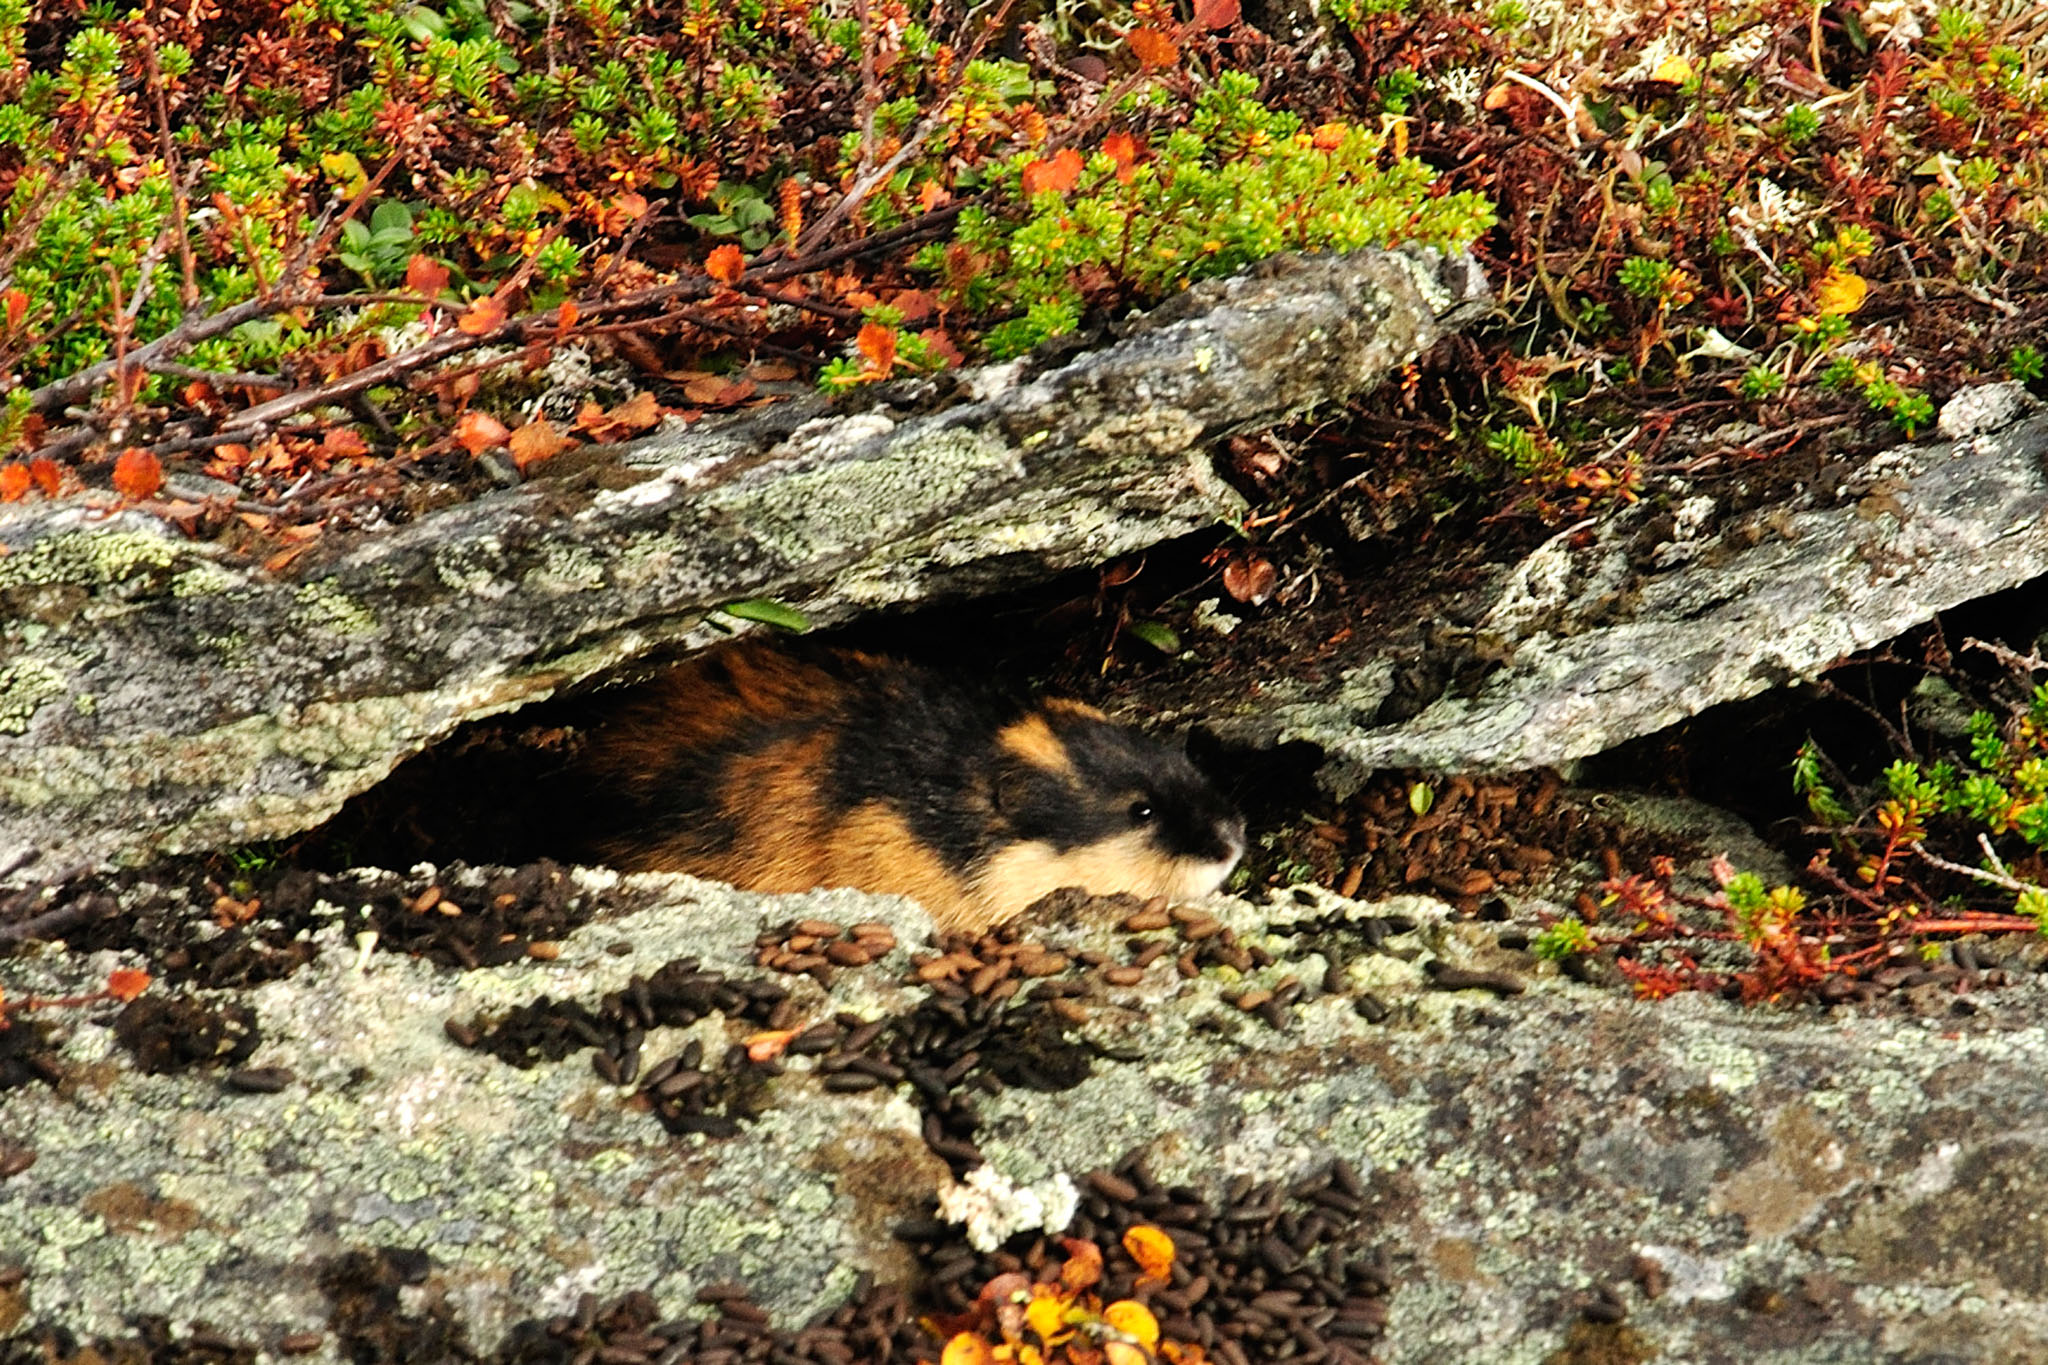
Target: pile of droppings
<point x="1267" y="1271"/>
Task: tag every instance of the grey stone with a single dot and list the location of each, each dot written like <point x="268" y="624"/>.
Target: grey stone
<point x="160" y="695"/>
<point x="1801" y="1186"/>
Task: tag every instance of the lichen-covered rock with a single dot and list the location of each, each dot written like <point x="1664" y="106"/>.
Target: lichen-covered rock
<point x="1767" y="1186"/>
<point x="1602" y="636"/>
<point x="157" y="695"/>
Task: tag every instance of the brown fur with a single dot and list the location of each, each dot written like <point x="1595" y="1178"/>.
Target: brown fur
<point x="725" y="762"/>
<point x="1032" y="740"/>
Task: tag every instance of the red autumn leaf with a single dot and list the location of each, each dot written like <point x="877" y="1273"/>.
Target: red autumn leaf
<point x="878" y="345"/>
<point x="426" y="276"/>
<point x="1329" y="137"/>
<point x="716" y="391"/>
<point x="43" y="470"/>
<point x="536" y="441"/>
<point x="1216" y="13"/>
<point x="137" y="474"/>
<point x="1059" y="173"/>
<point x="637" y="413"/>
<point x="566" y="315"/>
<point x="1083" y="1265"/>
<point x="13" y="482"/>
<point x="1250" y="578"/>
<point x="725" y="263"/>
<point x="940" y="344"/>
<point x="125" y="983"/>
<point x="477" y="432"/>
<point x="1121" y="148"/>
<point x="17" y="307"/>
<point x="343" y="442"/>
<point x="1153" y="48"/>
<point x="914" y="304"/>
<point x="485" y="315"/>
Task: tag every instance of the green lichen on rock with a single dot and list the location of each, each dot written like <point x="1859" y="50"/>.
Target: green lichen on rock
<point x="323" y="607"/>
<point x="98" y="560"/>
<point x="25" y="685"/>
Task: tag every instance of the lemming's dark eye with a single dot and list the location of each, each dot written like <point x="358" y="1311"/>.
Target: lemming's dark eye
<point x="1141" y="811"/>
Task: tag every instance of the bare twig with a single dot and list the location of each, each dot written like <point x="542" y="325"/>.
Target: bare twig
<point x="226" y="378"/>
<point x="71" y="915"/>
<point x="2000" y="878"/>
<point x="2032" y="663"/>
<point x="181" y="204"/>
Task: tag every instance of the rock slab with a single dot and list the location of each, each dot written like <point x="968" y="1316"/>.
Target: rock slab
<point x="1760" y="1186"/>
<point x="159" y="696"/>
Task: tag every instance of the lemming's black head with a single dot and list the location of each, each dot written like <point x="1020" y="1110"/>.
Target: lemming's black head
<point x="1095" y="782"/>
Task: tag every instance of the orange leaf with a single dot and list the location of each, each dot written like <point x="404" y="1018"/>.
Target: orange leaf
<point x="967" y="1349"/>
<point x="425" y="276"/>
<point x="1216" y="13"/>
<point x="566" y="315"/>
<point x="766" y="1047"/>
<point x="1083" y="1265"/>
<point x="343" y="442"/>
<point x="485" y="315"/>
<point x="878" y="344"/>
<point x="17" y="307"/>
<point x="13" y="482"/>
<point x="1250" y="578"/>
<point x="1152" y="47"/>
<point x="1151" y="1249"/>
<point x="637" y="413"/>
<point x="47" y="476"/>
<point x="125" y="983"/>
<point x="1059" y="174"/>
<point x="1133" y="1319"/>
<point x="477" y="432"/>
<point x="1121" y="148"/>
<point x="137" y="474"/>
<point x="725" y="263"/>
<point x="536" y="441"/>
<point x="1329" y="137"/>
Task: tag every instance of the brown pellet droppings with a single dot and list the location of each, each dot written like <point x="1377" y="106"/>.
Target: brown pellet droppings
<point x="1354" y="877"/>
<point x="800" y="943"/>
<point x="1194" y="931"/>
<point x="1111" y="1186"/>
<point x="1448" y="978"/>
<point x="1123" y="976"/>
<point x="425" y="901"/>
<point x="1044" y="964"/>
<point x="1252" y="999"/>
<point x="843" y="954"/>
<point x="872" y="928"/>
<point x="1151" y="952"/>
<point x="300" y="1343"/>
<point x="15" y="1160"/>
<point x="983" y="981"/>
<point x="543" y="951"/>
<point x="1073" y="1011"/>
<point x="1145" y="920"/>
<point x="1186" y="965"/>
<point x="818" y="928"/>
<point x="260" y="1080"/>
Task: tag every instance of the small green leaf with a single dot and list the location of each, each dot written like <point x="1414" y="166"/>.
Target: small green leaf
<point x="1421" y="796"/>
<point x="1156" y="635"/>
<point x="768" y="614"/>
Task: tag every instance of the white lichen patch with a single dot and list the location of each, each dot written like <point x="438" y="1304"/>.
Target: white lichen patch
<point x="995" y="1208"/>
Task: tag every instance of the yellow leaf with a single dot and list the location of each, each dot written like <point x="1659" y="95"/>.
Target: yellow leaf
<point x="1123" y="1353"/>
<point x="347" y="170"/>
<point x="1151" y="1249"/>
<point x="1134" y="1320"/>
<point x="1840" y="291"/>
<point x="1046" y="1316"/>
<point x="1676" y="70"/>
<point x="967" y="1349"/>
